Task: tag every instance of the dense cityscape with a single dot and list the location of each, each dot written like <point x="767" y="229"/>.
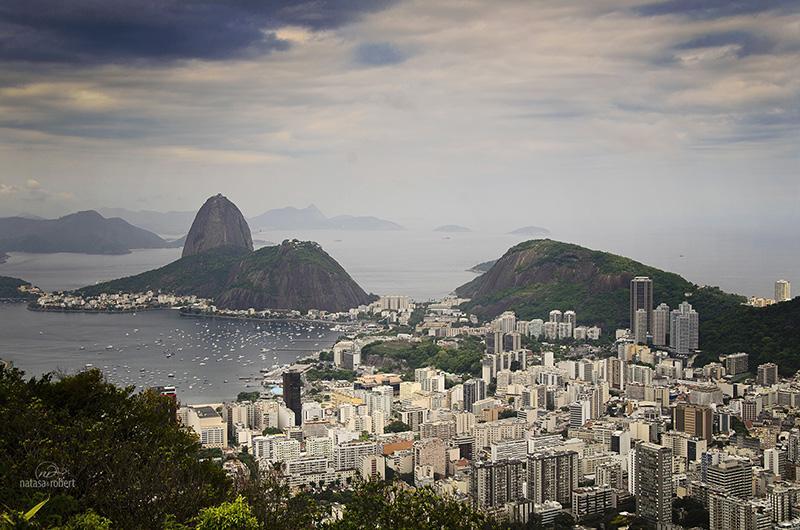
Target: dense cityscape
<point x="399" y="265"/>
<point x="552" y="425"/>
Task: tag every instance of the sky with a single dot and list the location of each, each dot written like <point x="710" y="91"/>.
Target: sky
<point x="493" y="115"/>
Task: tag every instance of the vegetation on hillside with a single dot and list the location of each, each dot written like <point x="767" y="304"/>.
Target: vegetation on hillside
<point x="768" y="334"/>
<point x="405" y="355"/>
<point x="537" y="276"/>
<point x="123" y="455"/>
<point x="9" y="288"/>
<point x="202" y="274"/>
<point x="294" y="275"/>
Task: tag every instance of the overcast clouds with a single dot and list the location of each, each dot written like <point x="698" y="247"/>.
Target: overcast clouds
<point x="493" y="114"/>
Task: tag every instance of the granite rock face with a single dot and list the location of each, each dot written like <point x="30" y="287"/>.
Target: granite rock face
<point x="218" y="223"/>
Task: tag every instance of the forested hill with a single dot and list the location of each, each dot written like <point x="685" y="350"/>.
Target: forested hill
<point x="537" y="276"/>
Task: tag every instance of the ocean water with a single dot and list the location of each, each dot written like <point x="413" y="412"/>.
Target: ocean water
<point x="426" y="265"/>
<point x="423" y="265"/>
<point x="207" y="357"/>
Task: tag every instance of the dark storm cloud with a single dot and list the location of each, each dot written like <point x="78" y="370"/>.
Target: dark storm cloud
<point x="710" y="9"/>
<point x="378" y="54"/>
<point x="107" y="31"/>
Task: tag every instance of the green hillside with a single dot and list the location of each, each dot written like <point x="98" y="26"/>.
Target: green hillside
<point x="202" y="274"/>
<point x="293" y="275"/>
<point x="537" y="276"/>
<point x="9" y="288"/>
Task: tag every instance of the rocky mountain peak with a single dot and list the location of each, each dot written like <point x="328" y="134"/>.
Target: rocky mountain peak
<point x="218" y="223"/>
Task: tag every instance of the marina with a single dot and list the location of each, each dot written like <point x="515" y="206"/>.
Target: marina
<point x="204" y="359"/>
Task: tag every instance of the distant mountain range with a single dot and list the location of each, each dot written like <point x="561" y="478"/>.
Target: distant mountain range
<point x="159" y="222"/>
<point x="452" y="229"/>
<point x="311" y="218"/>
<point x="219" y="262"/>
<point x="289" y="218"/>
<point x="85" y="232"/>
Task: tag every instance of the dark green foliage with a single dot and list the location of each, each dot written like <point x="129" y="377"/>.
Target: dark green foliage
<point x="381" y="505"/>
<point x="466" y="359"/>
<point x="397" y="426"/>
<point x="326" y="356"/>
<point x="294" y="275"/>
<point x="536" y="276"/>
<point x="130" y="459"/>
<point x="9" y="288"/>
<point x="768" y="334"/>
<point x="689" y="513"/>
<point x="272" y="430"/>
<point x="329" y="374"/>
<point x="248" y="396"/>
<point x="203" y="275"/>
<point x="276" y="507"/>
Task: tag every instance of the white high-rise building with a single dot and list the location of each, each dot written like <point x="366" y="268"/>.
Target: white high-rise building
<point x="556" y="316"/>
<point x="783" y="291"/>
<point x="684" y="329"/>
<point x="506" y="322"/>
<point x="660" y="325"/>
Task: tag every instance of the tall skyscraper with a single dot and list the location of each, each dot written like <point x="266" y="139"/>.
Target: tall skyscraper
<point x="660" y="325"/>
<point x="641" y="298"/>
<point x="783" y="291"/>
<point x="556" y="316"/>
<point x="571" y="317"/>
<point x="684" y="329"/>
<point x="493" y="484"/>
<point x="653" y="465"/>
<point x="474" y="390"/>
<point x="292" y="383"/>
<point x="552" y="475"/>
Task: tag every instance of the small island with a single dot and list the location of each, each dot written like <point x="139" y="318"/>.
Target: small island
<point x="532" y="231"/>
<point x="452" y="229"/>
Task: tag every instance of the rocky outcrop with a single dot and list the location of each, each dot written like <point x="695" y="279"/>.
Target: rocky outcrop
<point x="219" y="223"/>
<point x="293" y="275"/>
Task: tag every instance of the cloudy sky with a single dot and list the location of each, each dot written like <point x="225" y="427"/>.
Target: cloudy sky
<point x="490" y="114"/>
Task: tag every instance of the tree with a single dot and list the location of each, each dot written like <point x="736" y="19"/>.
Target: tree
<point x="234" y="515"/>
<point x="276" y="506"/>
<point x="397" y="426"/>
<point x="377" y="504"/>
<point x="272" y="430"/>
<point x="125" y="455"/>
<point x="88" y="520"/>
<point x="248" y="396"/>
